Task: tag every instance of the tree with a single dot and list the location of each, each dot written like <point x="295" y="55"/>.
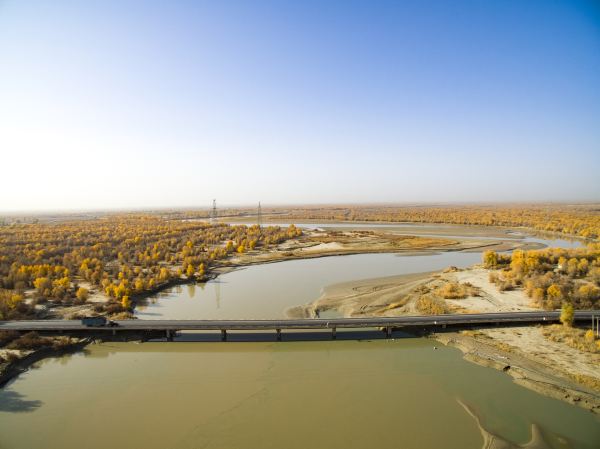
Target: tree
<point x="567" y="315"/>
<point x="589" y="336"/>
<point x="139" y="284"/>
<point x="126" y="302"/>
<point x="554" y="292"/>
<point x="490" y="259"/>
<point x="82" y="294"/>
<point x="190" y="271"/>
<point x="164" y="274"/>
<point x="43" y="285"/>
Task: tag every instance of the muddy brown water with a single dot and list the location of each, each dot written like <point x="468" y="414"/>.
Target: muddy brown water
<point x="343" y="394"/>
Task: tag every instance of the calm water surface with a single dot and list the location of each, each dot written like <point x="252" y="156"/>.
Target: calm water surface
<point x="343" y="394"/>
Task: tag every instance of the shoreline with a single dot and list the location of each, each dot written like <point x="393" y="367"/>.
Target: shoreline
<point x="547" y="367"/>
<point x="13" y="369"/>
<point x="524" y="371"/>
<point x="502" y="230"/>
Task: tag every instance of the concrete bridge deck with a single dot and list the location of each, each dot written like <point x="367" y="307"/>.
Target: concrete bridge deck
<point x="168" y="328"/>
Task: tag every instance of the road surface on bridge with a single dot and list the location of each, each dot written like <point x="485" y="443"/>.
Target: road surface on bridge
<point x="317" y="323"/>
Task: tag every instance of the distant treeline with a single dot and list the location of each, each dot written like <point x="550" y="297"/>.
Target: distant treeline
<point x="579" y="220"/>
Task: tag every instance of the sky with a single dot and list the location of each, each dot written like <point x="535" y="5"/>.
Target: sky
<point x="127" y="104"/>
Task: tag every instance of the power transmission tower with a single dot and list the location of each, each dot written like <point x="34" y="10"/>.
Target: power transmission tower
<point x="213" y="212"/>
<point x="259" y="215"/>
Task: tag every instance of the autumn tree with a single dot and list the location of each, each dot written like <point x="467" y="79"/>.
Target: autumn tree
<point x="82" y="294"/>
<point x="490" y="259"/>
<point x="567" y="314"/>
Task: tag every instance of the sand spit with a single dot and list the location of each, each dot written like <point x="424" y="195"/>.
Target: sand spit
<point x="368" y="297"/>
<point x="548" y="367"/>
<point x="493" y="441"/>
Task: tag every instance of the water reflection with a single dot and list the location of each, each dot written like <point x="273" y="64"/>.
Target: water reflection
<point x="14" y="402"/>
<point x="191" y="290"/>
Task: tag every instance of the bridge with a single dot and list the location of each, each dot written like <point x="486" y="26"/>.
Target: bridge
<point x="152" y="329"/>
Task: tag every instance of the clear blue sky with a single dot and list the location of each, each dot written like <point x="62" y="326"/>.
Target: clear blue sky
<point x="145" y="104"/>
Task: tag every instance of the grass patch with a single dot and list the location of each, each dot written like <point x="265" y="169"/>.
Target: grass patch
<point x="588" y="381"/>
<point x="576" y="338"/>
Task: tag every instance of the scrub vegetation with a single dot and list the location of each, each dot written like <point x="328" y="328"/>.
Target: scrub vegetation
<point x="584" y="340"/>
<point x="430" y="305"/>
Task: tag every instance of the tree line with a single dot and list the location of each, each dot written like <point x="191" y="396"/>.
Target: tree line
<point x="120" y="255"/>
<point x="579" y="220"/>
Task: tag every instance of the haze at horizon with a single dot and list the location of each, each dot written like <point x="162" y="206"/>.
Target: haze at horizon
<point x="143" y="104"/>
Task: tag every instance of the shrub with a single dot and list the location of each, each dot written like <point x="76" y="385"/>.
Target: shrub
<point x="29" y="341"/>
<point x="82" y="294"/>
<point x="7" y="336"/>
<point x="429" y="305"/>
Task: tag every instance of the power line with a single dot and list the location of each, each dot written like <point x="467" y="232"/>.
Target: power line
<point x="213" y="212"/>
<point x="259" y="215"/>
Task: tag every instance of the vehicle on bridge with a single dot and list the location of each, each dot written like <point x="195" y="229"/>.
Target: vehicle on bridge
<point x="97" y="321"/>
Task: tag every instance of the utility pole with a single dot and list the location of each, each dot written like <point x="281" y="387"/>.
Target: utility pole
<point x="213" y="212"/>
<point x="259" y="215"/>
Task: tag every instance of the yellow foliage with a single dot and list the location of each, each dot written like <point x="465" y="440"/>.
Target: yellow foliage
<point x="490" y="259"/>
<point x="82" y="294"/>
<point x="189" y="271"/>
<point x="554" y="291"/>
<point x="567" y="315"/>
<point x="429" y="305"/>
<point x="583" y="221"/>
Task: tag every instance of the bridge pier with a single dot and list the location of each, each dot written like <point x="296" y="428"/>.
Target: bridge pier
<point x="169" y="335"/>
<point x="278" y="334"/>
<point x="388" y="332"/>
<point x="223" y="335"/>
<point x="333" y="333"/>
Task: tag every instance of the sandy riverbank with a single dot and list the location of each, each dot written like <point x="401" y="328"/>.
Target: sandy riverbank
<point x="549" y="367"/>
<point x="345" y="241"/>
<point x="367" y="297"/>
<point x="526" y="369"/>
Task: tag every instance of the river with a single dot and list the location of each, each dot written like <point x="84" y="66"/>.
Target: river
<point x="267" y="291"/>
<point x="406" y="392"/>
